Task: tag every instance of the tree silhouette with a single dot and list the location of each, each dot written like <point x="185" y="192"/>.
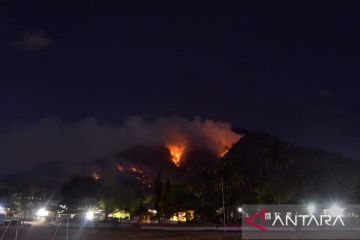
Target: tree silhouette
<point x="273" y="183"/>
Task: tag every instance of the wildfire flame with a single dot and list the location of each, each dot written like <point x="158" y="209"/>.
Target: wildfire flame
<point x="141" y="177"/>
<point x="120" y="168"/>
<point x="176" y="153"/>
<point x="95" y="176"/>
<point x="222" y="154"/>
<point x="136" y="170"/>
<point x="226" y="145"/>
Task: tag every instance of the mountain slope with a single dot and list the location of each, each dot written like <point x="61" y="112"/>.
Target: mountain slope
<point x="313" y="169"/>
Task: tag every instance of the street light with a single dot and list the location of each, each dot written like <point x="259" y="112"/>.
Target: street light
<point x="311" y="209"/>
<point x="42" y="212"/>
<point x="2" y="210"/>
<point x="240" y="210"/>
<point x="336" y="210"/>
<point x="89" y="215"/>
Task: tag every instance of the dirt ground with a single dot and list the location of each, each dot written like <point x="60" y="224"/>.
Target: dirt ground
<point x="37" y="231"/>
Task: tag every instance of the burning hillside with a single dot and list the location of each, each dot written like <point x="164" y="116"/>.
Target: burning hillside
<point x="91" y="139"/>
<point x="176" y="153"/>
<point x="169" y="143"/>
<point x="184" y="135"/>
<point x="180" y="136"/>
<point x="130" y="170"/>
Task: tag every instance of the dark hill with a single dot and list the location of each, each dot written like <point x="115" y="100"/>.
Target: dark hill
<point x="314" y="171"/>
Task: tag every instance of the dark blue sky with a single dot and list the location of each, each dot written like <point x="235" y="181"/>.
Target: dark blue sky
<point x="291" y="69"/>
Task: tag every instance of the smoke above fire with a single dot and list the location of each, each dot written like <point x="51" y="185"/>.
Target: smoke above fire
<point x="180" y="135"/>
<point x="25" y="144"/>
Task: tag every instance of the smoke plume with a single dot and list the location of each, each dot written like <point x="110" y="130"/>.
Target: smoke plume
<point x="26" y="144"/>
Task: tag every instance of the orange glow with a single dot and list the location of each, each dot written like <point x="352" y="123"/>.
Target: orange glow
<point x="141" y="177"/>
<point x="224" y="152"/>
<point x="95" y="176"/>
<point x="225" y="145"/>
<point x="120" y="168"/>
<point x="136" y="170"/>
<point x="176" y="153"/>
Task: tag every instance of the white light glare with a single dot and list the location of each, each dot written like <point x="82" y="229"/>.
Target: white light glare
<point x="153" y="211"/>
<point x="336" y="210"/>
<point x="311" y="209"/>
<point x="240" y="210"/>
<point x="42" y="212"/>
<point x="89" y="216"/>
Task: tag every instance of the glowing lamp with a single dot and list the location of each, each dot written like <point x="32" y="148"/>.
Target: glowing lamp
<point x="42" y="212"/>
<point x="336" y="210"/>
<point x="311" y="209"/>
<point x="89" y="216"/>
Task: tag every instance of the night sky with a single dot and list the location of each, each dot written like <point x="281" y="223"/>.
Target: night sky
<point x="291" y="70"/>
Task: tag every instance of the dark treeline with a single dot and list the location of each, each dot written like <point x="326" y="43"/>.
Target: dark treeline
<point x="276" y="179"/>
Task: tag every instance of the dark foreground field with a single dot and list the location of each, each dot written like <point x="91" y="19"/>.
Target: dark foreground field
<point x="45" y="232"/>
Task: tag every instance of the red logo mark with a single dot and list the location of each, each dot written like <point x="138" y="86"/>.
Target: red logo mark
<point x="251" y="218"/>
